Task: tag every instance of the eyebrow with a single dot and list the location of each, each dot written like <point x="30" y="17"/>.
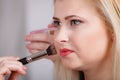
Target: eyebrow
<point x="67" y="17"/>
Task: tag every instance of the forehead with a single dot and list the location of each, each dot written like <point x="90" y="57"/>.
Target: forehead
<point x="70" y="7"/>
<point x="81" y="1"/>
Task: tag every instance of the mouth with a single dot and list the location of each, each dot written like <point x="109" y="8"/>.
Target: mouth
<point x="64" y="52"/>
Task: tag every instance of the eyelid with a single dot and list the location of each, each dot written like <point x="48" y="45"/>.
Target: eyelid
<point x="56" y="23"/>
<point x="81" y="21"/>
<point x="76" y="18"/>
<point x="56" y="20"/>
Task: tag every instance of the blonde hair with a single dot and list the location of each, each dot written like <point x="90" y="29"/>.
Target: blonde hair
<point x="112" y="12"/>
<point x="109" y="10"/>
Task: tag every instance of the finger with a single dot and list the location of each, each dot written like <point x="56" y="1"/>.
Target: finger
<point x="2" y="77"/>
<point x="8" y="58"/>
<point x="50" y="25"/>
<point x="37" y="37"/>
<point x="19" y="68"/>
<point x="6" y="63"/>
<point x="13" y="76"/>
<point x="8" y="69"/>
<point x="8" y="66"/>
<point x="5" y="71"/>
<point x="37" y="46"/>
<point x="34" y="51"/>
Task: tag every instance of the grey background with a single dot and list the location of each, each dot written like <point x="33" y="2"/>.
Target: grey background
<point x="18" y="18"/>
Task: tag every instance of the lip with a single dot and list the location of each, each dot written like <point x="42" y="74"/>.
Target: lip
<point x="64" y="52"/>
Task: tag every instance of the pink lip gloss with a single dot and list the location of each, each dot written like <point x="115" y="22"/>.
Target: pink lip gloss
<point x="64" y="52"/>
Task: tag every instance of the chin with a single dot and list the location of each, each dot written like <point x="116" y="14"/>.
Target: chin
<point x="71" y="66"/>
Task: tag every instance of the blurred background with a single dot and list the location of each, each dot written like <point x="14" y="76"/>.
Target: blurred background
<point x="18" y="18"/>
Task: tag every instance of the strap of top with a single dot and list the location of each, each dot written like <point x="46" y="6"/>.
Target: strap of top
<point x="82" y="75"/>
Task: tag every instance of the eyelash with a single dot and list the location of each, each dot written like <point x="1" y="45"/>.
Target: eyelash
<point x="73" y="22"/>
<point x="56" y="23"/>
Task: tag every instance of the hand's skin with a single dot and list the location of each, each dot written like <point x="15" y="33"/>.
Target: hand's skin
<point x="9" y="65"/>
<point x="38" y="41"/>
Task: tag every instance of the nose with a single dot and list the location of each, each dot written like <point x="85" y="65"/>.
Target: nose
<point x="61" y="36"/>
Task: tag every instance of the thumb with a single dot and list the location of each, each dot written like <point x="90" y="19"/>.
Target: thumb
<point x="13" y="76"/>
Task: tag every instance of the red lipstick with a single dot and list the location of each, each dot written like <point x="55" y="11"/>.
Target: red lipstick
<point x="64" y="52"/>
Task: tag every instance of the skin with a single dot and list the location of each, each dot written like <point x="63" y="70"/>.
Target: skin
<point x="39" y="41"/>
<point x="90" y="39"/>
<point x="81" y="29"/>
<point x="10" y="66"/>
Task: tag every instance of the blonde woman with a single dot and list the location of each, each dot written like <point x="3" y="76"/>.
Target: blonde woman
<point x="86" y="39"/>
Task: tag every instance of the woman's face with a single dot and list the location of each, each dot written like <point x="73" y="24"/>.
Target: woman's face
<point x="81" y="38"/>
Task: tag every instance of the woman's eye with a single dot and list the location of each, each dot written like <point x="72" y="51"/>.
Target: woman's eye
<point x="75" y="22"/>
<point x="56" y="23"/>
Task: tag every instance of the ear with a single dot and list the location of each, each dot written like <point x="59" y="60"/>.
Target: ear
<point x="112" y="36"/>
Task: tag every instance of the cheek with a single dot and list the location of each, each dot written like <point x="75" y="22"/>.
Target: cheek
<point x="91" y="46"/>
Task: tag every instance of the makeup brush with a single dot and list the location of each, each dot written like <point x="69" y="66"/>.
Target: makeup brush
<point x="49" y="51"/>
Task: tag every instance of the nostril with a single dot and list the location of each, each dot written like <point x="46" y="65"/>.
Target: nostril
<point x="63" y="41"/>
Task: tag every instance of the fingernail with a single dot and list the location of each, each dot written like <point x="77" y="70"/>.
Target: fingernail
<point x="24" y="67"/>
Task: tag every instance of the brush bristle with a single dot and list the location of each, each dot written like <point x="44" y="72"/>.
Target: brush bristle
<point x="51" y="50"/>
